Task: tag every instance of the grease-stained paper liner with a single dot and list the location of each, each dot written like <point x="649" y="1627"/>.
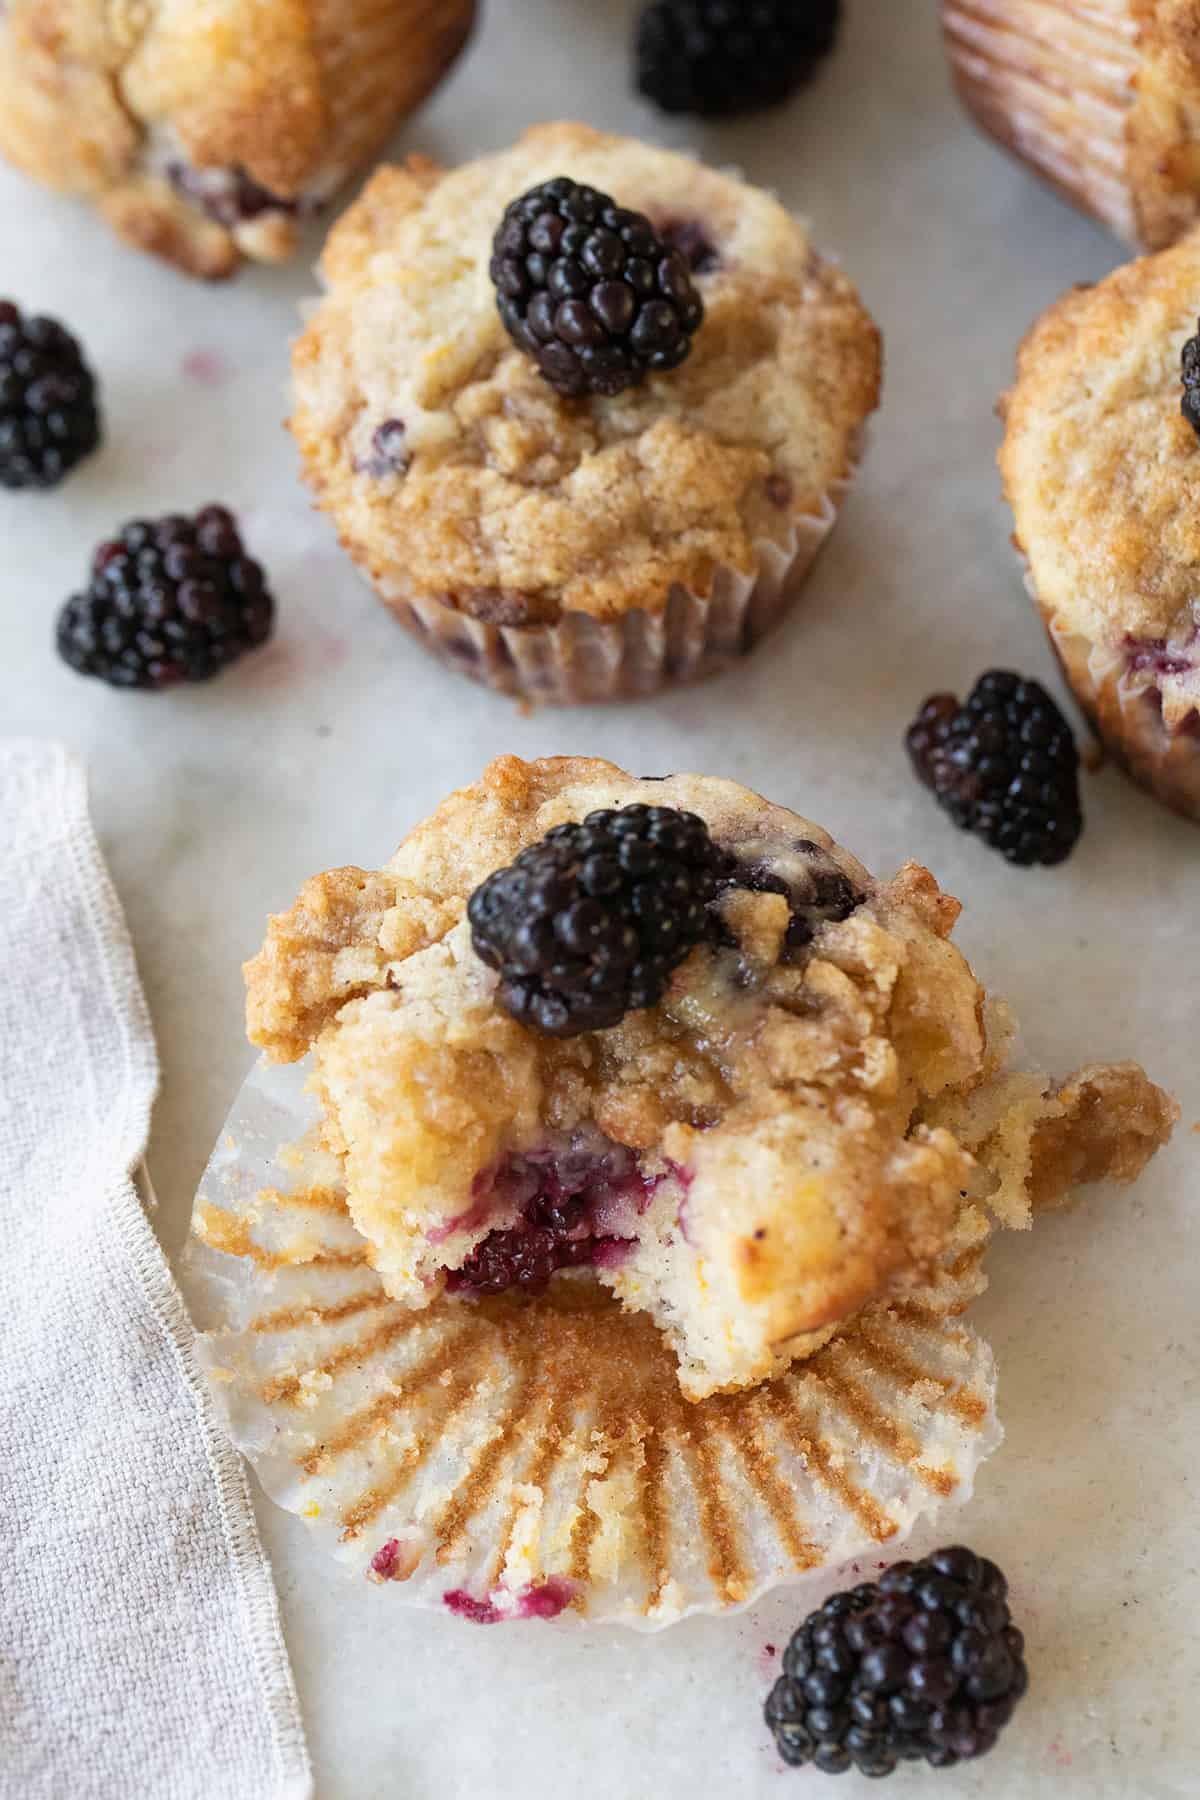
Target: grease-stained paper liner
<point x="1054" y="84"/>
<point x="1124" y="706"/>
<point x="516" y="1457"/>
<point x="583" y="659"/>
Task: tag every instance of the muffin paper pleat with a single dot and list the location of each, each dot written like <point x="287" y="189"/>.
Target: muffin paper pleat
<point x="1053" y="82"/>
<point x="534" y="1458"/>
<point x="1124" y="707"/>
<point x="584" y="659"/>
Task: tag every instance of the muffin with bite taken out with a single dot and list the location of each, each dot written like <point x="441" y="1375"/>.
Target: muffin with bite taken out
<point x="666" y="1036"/>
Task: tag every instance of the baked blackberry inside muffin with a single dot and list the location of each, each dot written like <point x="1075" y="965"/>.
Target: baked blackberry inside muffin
<point x="582" y="410"/>
<point x="1101" y="466"/>
<point x="205" y="131"/>
<point x="780" y="1127"/>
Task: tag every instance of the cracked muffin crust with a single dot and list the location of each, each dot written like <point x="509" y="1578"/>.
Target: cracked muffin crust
<point x="204" y="130"/>
<point x="1102" y="100"/>
<point x="791" y="1133"/>
<point x="1102" y="472"/>
<point x="461" y="481"/>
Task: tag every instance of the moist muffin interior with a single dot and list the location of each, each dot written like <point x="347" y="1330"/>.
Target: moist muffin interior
<point x="517" y="505"/>
<point x="751" y="1161"/>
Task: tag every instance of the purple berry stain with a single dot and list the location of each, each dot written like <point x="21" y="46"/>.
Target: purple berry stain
<point x="1155" y="657"/>
<point x="207" y="368"/>
<point x="689" y="237"/>
<point x="575" y="1204"/>
<point x="540" y="1600"/>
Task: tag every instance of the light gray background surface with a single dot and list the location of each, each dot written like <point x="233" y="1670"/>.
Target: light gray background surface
<point x="214" y="804"/>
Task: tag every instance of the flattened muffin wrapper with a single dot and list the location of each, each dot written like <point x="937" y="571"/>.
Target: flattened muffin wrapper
<point x="583" y="659"/>
<point x="523" y="1457"/>
<point x="1054" y="84"/>
<point x="1124" y="707"/>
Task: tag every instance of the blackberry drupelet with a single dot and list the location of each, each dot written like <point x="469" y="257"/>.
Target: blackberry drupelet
<point x="1003" y="765"/>
<point x="49" y="419"/>
<point x="729" y="56"/>
<point x="925" y="1663"/>
<point x="170" y="600"/>
<point x="590" y="290"/>
<point x="590" y="923"/>
<point x="1190" y="369"/>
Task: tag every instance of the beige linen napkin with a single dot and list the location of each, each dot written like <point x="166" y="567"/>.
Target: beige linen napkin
<point x="140" y="1647"/>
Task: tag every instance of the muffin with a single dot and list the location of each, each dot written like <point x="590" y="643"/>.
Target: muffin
<point x="1102" y="101"/>
<point x="769" y="1110"/>
<point x="1102" y="471"/>
<point x="206" y="132"/>
<point x="580" y="545"/>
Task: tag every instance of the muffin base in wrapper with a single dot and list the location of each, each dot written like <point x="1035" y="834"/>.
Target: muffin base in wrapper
<point x="583" y="659"/>
<point x="515" y="1457"/>
<point x="1124" y="708"/>
<point x="1053" y="83"/>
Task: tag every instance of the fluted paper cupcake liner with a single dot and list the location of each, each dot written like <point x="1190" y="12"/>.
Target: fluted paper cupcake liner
<point x="530" y="1458"/>
<point x="1124" y="707"/>
<point x="583" y="659"/>
<point x="1054" y="84"/>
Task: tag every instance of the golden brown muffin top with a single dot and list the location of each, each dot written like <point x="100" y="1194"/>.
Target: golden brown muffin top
<point x="1101" y="469"/>
<point x="516" y="504"/>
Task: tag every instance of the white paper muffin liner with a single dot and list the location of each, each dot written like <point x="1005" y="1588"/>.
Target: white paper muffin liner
<point x="517" y="1458"/>
<point x="1054" y="84"/>
<point x="1124" y="707"/>
<point x="583" y="659"/>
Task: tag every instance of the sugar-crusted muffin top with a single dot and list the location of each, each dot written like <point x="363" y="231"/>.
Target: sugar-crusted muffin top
<point x="767" y="1138"/>
<point x="1101" y="469"/>
<point x="489" y="489"/>
<point x="105" y="99"/>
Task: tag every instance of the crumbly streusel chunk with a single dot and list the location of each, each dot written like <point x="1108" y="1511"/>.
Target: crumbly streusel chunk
<point x="790" y="1133"/>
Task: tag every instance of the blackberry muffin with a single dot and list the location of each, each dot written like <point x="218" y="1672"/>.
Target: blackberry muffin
<point x="582" y="410"/>
<point x="687" y="1047"/>
<point x="1103" y="101"/>
<point x="205" y="132"/>
<point x="1102" y="470"/>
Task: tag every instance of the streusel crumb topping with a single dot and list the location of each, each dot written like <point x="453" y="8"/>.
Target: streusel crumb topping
<point x="792" y="1131"/>
<point x="453" y="469"/>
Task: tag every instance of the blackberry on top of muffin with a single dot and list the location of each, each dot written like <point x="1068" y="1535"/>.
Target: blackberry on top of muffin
<point x="669" y="1036"/>
<point x="581" y="458"/>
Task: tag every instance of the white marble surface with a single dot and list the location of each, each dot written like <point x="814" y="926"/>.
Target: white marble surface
<point x="214" y="804"/>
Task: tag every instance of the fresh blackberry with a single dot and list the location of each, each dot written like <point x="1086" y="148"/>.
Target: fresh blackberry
<point x="729" y="56"/>
<point x="1190" y="363"/>
<point x="170" y="600"/>
<point x="1004" y="766"/>
<point x="925" y="1663"/>
<point x="49" y="420"/>
<point x="590" y="290"/>
<point x="590" y="923"/>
